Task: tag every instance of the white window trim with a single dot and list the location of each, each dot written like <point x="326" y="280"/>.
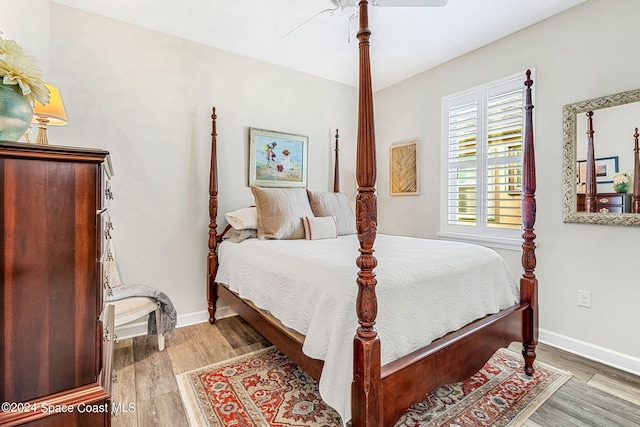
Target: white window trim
<point x="510" y="243"/>
<point x="510" y="239"/>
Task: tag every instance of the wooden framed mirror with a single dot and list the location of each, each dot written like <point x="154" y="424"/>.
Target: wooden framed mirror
<point x="572" y="133"/>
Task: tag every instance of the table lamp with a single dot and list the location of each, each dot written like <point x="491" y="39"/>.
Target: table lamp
<point x="52" y="114"/>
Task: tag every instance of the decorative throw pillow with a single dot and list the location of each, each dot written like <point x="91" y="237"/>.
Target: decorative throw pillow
<point x="316" y="228"/>
<point x="325" y="203"/>
<point x="280" y="212"/>
<point x="243" y="219"/>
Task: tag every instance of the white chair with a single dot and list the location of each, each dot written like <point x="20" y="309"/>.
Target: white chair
<point x="132" y="308"/>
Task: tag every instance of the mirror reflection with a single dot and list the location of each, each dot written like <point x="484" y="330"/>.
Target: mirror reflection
<point x="614" y="121"/>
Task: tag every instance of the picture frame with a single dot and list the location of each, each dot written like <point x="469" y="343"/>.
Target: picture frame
<point x="605" y="168"/>
<point x="277" y="159"/>
<point x="403" y="169"/>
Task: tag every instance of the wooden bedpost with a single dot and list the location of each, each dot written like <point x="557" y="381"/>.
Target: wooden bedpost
<point x="528" y="281"/>
<point x="592" y="189"/>
<point x="212" y="290"/>
<point x="366" y="390"/>
<point x="635" y="206"/>
<point x="336" y="168"/>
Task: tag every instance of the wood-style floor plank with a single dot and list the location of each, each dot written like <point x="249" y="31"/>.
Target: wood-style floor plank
<point x="239" y="333"/>
<point x="201" y="345"/>
<point x="124" y="386"/>
<point x="576" y="403"/>
<point x="624" y="389"/>
<point x="162" y="410"/>
<point x="153" y="369"/>
<point x="529" y="423"/>
<point x="597" y="395"/>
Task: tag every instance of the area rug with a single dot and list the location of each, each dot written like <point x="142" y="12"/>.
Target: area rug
<point x="265" y="388"/>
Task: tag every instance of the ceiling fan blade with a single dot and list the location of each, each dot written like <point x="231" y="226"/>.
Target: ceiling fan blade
<point x="409" y="3"/>
<point x="329" y="11"/>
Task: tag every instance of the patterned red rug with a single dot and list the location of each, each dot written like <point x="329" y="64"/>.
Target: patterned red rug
<point x="265" y="388"/>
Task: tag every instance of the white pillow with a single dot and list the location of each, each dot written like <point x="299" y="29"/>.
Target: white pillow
<point x="316" y="228"/>
<point x="243" y="219"/>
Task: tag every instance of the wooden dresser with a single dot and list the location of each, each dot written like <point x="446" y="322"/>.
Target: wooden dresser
<point x="51" y="353"/>
<point x="608" y="202"/>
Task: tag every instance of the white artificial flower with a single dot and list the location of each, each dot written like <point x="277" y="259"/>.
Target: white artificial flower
<point x="621" y="178"/>
<point x="18" y="68"/>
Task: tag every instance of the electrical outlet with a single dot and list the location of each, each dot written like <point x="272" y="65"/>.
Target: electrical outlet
<point x="584" y="298"/>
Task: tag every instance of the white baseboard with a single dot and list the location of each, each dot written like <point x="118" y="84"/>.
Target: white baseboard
<point x="590" y="351"/>
<point x="139" y="327"/>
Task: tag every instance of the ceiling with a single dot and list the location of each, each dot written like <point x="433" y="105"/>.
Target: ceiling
<point x="405" y="40"/>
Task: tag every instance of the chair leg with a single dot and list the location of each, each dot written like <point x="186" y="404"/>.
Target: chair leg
<point x="160" y="342"/>
<point x="159" y="327"/>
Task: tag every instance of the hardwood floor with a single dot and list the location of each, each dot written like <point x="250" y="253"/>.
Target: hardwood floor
<point x="147" y="392"/>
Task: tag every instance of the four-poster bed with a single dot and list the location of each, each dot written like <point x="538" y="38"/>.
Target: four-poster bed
<point x="380" y="393"/>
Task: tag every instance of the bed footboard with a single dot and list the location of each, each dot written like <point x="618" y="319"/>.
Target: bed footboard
<point x="450" y="359"/>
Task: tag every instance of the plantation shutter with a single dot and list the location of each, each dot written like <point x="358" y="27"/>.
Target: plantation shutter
<point x="504" y="124"/>
<point x="484" y="157"/>
<point x="462" y="180"/>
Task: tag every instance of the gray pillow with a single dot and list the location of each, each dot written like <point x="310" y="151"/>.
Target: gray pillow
<point x="326" y="203"/>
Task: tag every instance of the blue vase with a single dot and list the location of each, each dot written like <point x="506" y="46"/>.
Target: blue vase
<point x="15" y="113"/>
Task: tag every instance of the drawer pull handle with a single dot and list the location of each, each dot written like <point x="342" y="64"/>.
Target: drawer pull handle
<point x="105" y="284"/>
<point x="604" y="210"/>
<point x="108" y="194"/>
<point x="603" y="200"/>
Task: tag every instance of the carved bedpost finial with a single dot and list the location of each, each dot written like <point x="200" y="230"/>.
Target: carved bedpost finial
<point x="635" y="206"/>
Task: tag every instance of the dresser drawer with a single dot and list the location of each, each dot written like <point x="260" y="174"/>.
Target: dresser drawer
<point x="607" y="203"/>
<point x="610" y="208"/>
<point x="610" y="199"/>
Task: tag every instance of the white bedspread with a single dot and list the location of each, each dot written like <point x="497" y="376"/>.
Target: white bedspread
<point x="426" y="288"/>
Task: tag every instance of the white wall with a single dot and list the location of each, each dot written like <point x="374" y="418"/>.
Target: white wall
<point x="27" y="22"/>
<point x="586" y="52"/>
<point x="146" y="97"/>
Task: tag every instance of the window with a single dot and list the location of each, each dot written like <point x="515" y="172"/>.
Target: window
<point x="482" y="151"/>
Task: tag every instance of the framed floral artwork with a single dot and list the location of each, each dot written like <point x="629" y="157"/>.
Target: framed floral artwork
<point x="277" y="159"/>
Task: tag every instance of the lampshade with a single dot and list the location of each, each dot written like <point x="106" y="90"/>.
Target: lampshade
<point x="53" y="110"/>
